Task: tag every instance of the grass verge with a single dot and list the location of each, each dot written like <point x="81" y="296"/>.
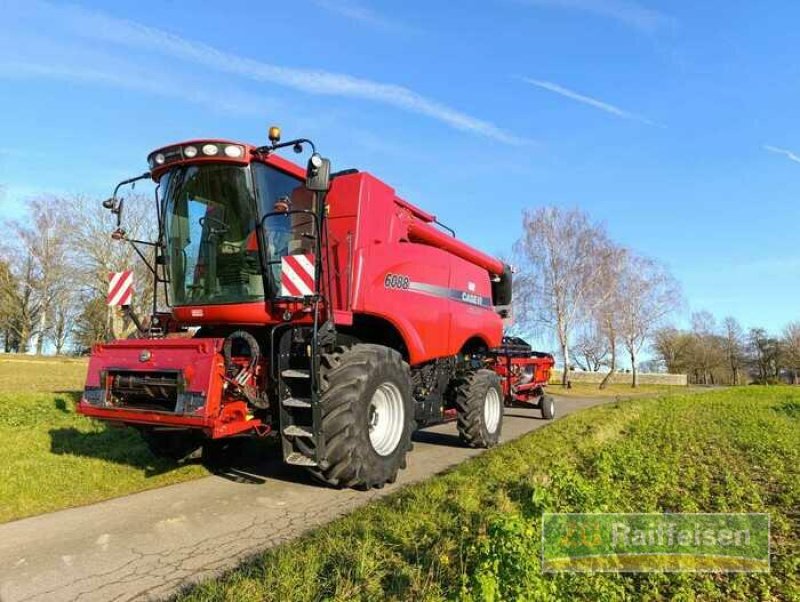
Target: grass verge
<point x="52" y="458"/>
<point x="474" y="534"/>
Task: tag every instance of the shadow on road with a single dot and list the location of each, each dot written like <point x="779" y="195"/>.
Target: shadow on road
<point x="253" y="461"/>
<point x="436" y="438"/>
<point x="535" y="416"/>
<point x="245" y="461"/>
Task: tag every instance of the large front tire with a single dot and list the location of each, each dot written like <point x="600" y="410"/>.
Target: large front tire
<point x="367" y="416"/>
<point x="480" y="408"/>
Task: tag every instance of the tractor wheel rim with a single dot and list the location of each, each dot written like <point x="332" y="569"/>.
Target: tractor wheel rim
<point x="386" y="418"/>
<point x="552" y="408"/>
<point x="492" y="410"/>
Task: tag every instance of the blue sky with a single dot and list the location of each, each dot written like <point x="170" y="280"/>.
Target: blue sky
<point x="674" y="123"/>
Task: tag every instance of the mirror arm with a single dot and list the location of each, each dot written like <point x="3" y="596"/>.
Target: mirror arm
<point x="148" y="243"/>
<point x="117" y="209"/>
<point x="273" y="147"/>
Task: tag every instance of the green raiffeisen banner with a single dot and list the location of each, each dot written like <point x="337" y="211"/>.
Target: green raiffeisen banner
<point x="655" y="542"/>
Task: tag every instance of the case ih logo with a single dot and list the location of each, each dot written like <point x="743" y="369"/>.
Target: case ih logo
<point x="297" y="276"/>
<point x="120" y="288"/>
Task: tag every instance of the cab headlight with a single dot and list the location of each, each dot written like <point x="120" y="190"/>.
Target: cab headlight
<point x="234" y="151"/>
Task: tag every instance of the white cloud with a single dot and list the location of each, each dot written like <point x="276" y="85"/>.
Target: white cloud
<point x="127" y="78"/>
<point x="629" y="13"/>
<point x="98" y="26"/>
<point x="792" y="156"/>
<point x="588" y="100"/>
<point x="360" y="13"/>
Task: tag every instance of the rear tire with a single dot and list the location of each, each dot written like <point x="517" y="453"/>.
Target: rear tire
<point x="480" y="408"/>
<point x="548" y="406"/>
<point x="367" y="416"/>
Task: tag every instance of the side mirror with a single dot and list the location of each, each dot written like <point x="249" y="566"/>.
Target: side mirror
<point x="114" y="205"/>
<point x="318" y="174"/>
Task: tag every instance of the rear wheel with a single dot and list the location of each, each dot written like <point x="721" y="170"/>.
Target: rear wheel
<point x="367" y="416"/>
<point x="480" y="408"/>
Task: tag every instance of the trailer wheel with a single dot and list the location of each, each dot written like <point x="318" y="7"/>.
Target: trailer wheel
<point x="480" y="408"/>
<point x="548" y="407"/>
<point x="367" y="416"/>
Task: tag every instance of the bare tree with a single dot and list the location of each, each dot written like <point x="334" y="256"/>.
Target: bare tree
<point x="64" y="313"/>
<point x="591" y="348"/>
<point x="734" y="347"/>
<point x="708" y="346"/>
<point x="43" y="239"/>
<point x="766" y="355"/>
<point x="673" y="347"/>
<point x="649" y="294"/>
<point x="91" y="325"/>
<point x="791" y="348"/>
<point x="23" y="305"/>
<point x="607" y="293"/>
<point x="555" y="256"/>
<point x="9" y="292"/>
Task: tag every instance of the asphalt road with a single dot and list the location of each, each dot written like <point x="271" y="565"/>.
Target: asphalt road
<point x="147" y="545"/>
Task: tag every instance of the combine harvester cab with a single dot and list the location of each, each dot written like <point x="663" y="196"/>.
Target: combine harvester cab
<point x="319" y="308"/>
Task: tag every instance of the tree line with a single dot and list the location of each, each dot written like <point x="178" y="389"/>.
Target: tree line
<point x="723" y="353"/>
<point x="597" y="300"/>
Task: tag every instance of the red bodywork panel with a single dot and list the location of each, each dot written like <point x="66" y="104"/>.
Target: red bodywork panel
<point x="436" y="299"/>
<point x="200" y="370"/>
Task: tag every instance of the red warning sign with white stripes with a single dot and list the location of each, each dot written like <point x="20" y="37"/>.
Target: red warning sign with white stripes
<point x="297" y="275"/>
<point x="120" y="288"/>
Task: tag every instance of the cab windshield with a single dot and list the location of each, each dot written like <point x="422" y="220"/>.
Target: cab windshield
<point x="210" y="236"/>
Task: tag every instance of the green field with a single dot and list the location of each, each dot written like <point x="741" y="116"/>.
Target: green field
<point x="52" y="458"/>
<point x="616" y="390"/>
<point x="474" y="533"/>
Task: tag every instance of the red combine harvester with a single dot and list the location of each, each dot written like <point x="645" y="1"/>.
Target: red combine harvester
<point x="315" y="306"/>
